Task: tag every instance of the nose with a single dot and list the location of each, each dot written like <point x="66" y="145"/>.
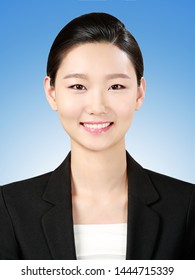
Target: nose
<point x="96" y="104"/>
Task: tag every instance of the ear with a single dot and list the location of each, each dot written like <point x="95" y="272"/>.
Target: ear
<point x="50" y="93"/>
<point x="140" y="94"/>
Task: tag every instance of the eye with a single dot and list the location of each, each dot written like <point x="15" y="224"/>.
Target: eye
<point x="78" y="87"/>
<point x="116" y="87"/>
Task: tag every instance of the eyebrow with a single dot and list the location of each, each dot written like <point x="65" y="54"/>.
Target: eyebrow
<point x="109" y="76"/>
<point x="76" y="75"/>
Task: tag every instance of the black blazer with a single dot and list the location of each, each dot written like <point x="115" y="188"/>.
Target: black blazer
<point x="36" y="216"/>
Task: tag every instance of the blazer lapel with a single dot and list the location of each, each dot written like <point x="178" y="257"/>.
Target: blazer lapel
<point x="58" y="222"/>
<point x="143" y="222"/>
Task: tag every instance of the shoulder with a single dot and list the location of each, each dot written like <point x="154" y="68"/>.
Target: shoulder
<point x="28" y="187"/>
<point x="162" y="184"/>
<point x="171" y="188"/>
<point x="168" y="182"/>
<point x="33" y="189"/>
<point x="36" y="185"/>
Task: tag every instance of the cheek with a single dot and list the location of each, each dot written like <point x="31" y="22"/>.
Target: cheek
<point x="126" y="110"/>
<point x="68" y="108"/>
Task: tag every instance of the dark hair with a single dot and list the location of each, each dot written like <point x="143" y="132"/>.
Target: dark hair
<point x="94" y="27"/>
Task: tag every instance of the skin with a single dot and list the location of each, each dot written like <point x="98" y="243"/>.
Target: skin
<point x="97" y="83"/>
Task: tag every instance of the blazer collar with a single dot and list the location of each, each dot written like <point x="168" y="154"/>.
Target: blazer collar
<point x="143" y="222"/>
<point x="58" y="221"/>
<point x="140" y="185"/>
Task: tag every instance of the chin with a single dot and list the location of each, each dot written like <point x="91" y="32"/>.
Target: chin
<point x="96" y="147"/>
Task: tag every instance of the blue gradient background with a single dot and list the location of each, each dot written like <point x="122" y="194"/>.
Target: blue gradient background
<point x="162" y="137"/>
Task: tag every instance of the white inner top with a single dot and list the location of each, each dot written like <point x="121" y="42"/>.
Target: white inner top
<point x="100" y="241"/>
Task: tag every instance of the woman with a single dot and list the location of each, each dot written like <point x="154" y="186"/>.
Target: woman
<point x="99" y="203"/>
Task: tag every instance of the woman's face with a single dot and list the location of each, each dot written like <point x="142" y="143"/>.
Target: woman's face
<point x="96" y="95"/>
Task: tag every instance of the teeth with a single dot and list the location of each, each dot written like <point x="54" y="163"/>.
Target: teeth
<point x="96" y="126"/>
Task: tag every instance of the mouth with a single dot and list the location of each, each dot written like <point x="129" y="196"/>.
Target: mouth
<point x="96" y="127"/>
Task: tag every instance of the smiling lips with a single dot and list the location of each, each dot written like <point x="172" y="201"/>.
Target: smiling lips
<point x="96" y="127"/>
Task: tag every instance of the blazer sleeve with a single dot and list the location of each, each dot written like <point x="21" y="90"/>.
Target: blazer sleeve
<point x="8" y="244"/>
<point x="190" y="229"/>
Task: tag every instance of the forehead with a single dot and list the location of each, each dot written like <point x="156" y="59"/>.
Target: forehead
<point x="96" y="56"/>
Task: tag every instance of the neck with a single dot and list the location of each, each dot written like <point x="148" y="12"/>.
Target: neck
<point x="98" y="173"/>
